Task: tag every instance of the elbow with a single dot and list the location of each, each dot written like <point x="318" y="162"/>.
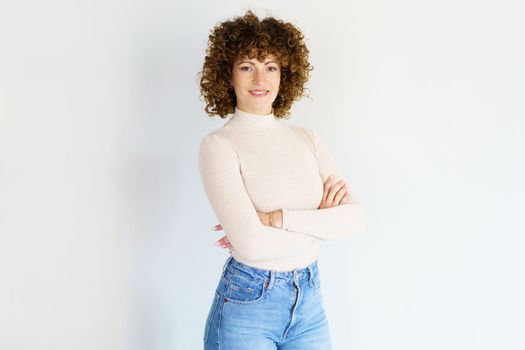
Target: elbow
<point x="355" y="224"/>
<point x="358" y="225"/>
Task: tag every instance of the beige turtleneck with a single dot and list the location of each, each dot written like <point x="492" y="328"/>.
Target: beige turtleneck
<point x="255" y="162"/>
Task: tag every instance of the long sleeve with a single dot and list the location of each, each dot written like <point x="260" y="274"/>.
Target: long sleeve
<point x="219" y="169"/>
<point x="329" y="223"/>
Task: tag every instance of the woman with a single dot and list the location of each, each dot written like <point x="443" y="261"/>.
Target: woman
<point x="268" y="184"/>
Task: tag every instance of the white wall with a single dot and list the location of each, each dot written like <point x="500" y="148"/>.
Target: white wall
<point x="105" y="230"/>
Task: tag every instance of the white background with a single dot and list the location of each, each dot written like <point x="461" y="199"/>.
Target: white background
<point x="105" y="230"/>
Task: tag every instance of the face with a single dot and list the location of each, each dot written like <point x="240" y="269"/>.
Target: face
<point x="256" y="84"/>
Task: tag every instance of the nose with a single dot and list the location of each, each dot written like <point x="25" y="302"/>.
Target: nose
<point x="257" y="77"/>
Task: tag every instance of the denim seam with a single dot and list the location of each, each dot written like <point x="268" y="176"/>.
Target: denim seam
<point x="297" y="285"/>
<point x="216" y="302"/>
<point x="221" y="300"/>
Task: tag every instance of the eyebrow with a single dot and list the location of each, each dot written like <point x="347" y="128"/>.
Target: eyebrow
<point x="254" y="64"/>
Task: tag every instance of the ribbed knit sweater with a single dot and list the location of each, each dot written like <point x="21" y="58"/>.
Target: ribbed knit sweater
<point x="259" y="162"/>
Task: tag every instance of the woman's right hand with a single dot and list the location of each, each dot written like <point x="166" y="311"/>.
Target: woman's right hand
<point x="334" y="195"/>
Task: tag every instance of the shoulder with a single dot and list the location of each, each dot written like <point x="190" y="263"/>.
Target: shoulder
<point x="300" y="130"/>
<point x="216" y="141"/>
<point x="218" y="135"/>
<point x="308" y="135"/>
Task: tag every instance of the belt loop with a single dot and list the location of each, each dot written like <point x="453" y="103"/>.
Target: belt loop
<point x="272" y="280"/>
<point x="295" y="277"/>
<point x="226" y="264"/>
<point x="311" y="277"/>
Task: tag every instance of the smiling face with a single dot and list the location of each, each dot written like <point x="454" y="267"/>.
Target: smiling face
<point x="256" y="84"/>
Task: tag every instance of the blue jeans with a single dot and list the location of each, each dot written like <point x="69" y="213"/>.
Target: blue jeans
<point x="256" y="309"/>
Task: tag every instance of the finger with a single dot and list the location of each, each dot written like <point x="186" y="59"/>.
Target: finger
<point x="326" y="187"/>
<point x="223" y="245"/>
<point x="346" y="198"/>
<point x="333" y="190"/>
<point x="217" y="227"/>
<point x="222" y="240"/>
<point x="340" y="194"/>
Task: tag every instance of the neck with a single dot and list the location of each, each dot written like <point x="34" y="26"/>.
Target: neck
<point x="257" y="111"/>
<point x="252" y="121"/>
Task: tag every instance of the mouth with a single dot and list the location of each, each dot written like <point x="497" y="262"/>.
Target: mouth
<point x="259" y="92"/>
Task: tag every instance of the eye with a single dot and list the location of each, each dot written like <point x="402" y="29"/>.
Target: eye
<point x="245" y="68"/>
<point x="273" y="69"/>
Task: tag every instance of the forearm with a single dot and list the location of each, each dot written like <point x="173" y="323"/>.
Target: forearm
<point x="333" y="223"/>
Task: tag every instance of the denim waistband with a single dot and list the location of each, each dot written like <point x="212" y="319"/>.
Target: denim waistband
<point x="309" y="271"/>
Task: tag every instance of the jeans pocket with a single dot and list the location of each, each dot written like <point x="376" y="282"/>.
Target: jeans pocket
<point x="211" y="315"/>
<point x="242" y="290"/>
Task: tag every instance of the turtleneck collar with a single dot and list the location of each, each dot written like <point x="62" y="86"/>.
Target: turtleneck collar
<point x="253" y="121"/>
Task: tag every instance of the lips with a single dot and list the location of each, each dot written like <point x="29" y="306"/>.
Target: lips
<point x="259" y="92"/>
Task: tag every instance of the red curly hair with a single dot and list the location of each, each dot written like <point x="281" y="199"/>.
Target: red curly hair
<point x="249" y="37"/>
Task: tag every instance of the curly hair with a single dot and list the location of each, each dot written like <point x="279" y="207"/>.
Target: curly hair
<point x="247" y="36"/>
